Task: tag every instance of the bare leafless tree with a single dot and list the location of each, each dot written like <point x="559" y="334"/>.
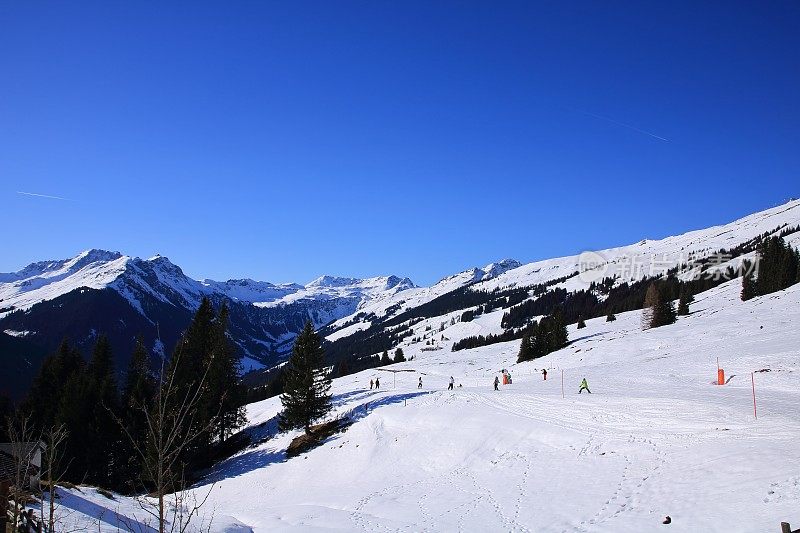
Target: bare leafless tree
<point x="170" y="428"/>
<point x="24" y="445"/>
<point x="53" y="469"/>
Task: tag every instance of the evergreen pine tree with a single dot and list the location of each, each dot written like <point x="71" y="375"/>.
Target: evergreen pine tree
<point x="611" y="317"/>
<point x="685" y="298"/>
<point x="525" y="349"/>
<point x="137" y="395"/>
<point x="224" y="395"/>
<point x="44" y="398"/>
<point x="548" y="335"/>
<point x="306" y="396"/>
<point x="385" y="358"/>
<point x="399" y="356"/>
<point x="75" y="412"/>
<point x="140" y="385"/>
<point x="661" y="309"/>
<point x="188" y="367"/>
<point x="581" y="323"/>
<point x="559" y="331"/>
<point x="748" y="281"/>
<point x="102" y="444"/>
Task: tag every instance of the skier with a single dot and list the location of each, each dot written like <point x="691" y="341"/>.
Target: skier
<point x="584" y="385"/>
<point x="377" y="383"/>
<point x="544" y="373"/>
<point x="419" y="385"/>
<point x="452" y="382"/>
<point x="496" y="383"/>
<point x="371" y="384"/>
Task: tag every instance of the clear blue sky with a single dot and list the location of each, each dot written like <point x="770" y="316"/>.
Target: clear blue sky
<point x="286" y="140"/>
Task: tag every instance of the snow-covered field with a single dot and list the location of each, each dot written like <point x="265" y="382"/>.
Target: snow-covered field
<point x="656" y="437"/>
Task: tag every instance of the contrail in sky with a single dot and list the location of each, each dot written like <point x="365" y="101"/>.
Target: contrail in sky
<point x="618" y="123"/>
<point x="43" y="196"/>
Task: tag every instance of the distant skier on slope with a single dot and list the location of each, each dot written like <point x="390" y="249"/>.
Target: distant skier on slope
<point x="585" y="386"/>
<point x="544" y="373"/>
<point x="378" y="383"/>
<point x="452" y="382"/>
<point x="371" y="384"/>
<point x="496" y="383"/>
<point x="419" y="385"/>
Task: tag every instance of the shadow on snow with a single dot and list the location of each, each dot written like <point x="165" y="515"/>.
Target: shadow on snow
<point x="260" y="458"/>
<point x="101" y="514"/>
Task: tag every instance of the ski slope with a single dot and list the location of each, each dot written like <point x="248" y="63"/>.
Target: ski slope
<point x="657" y="437"/>
<point x="646" y="258"/>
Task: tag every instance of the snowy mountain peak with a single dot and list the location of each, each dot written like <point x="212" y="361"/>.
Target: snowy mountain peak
<point x="500" y="267"/>
<point x="378" y="283"/>
<point x="163" y="263"/>
<point x="332" y="281"/>
<point x="395" y="282"/>
<point x="96" y="254"/>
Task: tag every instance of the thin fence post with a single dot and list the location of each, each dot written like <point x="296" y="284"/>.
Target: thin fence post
<point x="562" y="384"/>
<point x="753" y="381"/>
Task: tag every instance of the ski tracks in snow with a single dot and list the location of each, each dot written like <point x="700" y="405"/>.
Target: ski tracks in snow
<point x="475" y="501"/>
<point x="642" y="458"/>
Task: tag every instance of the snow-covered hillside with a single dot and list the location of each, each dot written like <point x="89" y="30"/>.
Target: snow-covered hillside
<point x="628" y="263"/>
<point x="656" y="437"/>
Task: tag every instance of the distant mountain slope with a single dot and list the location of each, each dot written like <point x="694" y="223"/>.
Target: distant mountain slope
<point x="412" y="317"/>
<point x="99" y="291"/>
<point x="627" y="263"/>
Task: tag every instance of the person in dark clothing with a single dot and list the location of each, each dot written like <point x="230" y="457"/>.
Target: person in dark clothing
<point x="371" y="384"/>
<point x="544" y="373"/>
<point x="452" y="382"/>
<point x="496" y="383"/>
<point x="377" y="383"/>
<point x="419" y="385"/>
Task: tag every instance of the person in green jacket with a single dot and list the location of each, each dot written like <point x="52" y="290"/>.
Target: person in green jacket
<point x="584" y="385"/>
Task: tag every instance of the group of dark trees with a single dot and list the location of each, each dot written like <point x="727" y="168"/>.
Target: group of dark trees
<point x="777" y="267"/>
<point x="540" y="338"/>
<point x="658" y="307"/>
<point x="110" y="426"/>
<point x="476" y="341"/>
<point x="384" y="335"/>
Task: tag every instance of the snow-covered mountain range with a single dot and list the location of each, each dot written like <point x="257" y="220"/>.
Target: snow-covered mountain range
<point x="158" y="298"/>
<point x="133" y="278"/>
<point x="100" y="291"/>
